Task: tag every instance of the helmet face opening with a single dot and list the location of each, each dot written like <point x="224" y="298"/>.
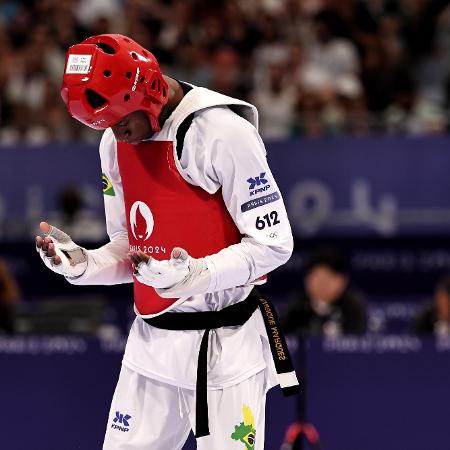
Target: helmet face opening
<point x="95" y="100"/>
<point x="106" y="48"/>
<point x="107" y="77"/>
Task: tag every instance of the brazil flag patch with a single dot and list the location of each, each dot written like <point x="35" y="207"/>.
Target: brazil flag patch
<point x="107" y="186"/>
<point x="245" y="432"/>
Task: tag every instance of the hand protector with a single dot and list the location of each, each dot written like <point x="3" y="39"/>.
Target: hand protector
<point x="73" y="257"/>
<point x="180" y="276"/>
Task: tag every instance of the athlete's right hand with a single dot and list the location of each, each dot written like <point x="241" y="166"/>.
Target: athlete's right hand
<point x="59" y="253"/>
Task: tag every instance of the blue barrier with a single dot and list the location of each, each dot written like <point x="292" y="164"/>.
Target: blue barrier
<point x="384" y="392"/>
<point x="371" y="393"/>
<point x="378" y="186"/>
<point x="56" y="393"/>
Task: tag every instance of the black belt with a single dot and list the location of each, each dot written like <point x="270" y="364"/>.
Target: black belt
<point x="233" y="315"/>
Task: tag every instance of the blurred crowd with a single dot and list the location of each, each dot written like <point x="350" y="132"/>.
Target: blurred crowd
<point x="312" y="67"/>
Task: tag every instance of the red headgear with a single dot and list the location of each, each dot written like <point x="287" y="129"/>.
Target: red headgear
<point x="107" y="77"/>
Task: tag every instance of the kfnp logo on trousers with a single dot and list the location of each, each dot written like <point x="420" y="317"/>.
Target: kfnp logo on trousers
<point x="121" y="422"/>
<point x="141" y="221"/>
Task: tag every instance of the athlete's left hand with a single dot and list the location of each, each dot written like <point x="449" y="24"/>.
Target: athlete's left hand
<point x="179" y="276"/>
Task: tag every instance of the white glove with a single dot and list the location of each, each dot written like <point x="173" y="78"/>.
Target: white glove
<point x="165" y="273"/>
<point x="180" y="276"/>
<point x="59" y="253"/>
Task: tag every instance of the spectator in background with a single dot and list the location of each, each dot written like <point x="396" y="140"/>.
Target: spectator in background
<point x="271" y="49"/>
<point x="9" y="296"/>
<point x="333" y="62"/>
<point x="192" y="65"/>
<point x="408" y="114"/>
<point x="435" y="317"/>
<point x="327" y="306"/>
<point x="75" y="219"/>
<point x="225" y="74"/>
<point x="276" y="104"/>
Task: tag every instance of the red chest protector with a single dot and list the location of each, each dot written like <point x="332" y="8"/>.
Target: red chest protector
<point x="164" y="211"/>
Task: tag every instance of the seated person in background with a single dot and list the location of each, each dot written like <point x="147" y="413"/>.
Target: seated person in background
<point x="72" y="215"/>
<point x="9" y="295"/>
<point x="435" y="317"/>
<point x="327" y="305"/>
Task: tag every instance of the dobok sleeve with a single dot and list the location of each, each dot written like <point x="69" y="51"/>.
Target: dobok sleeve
<point x="109" y="264"/>
<point x="224" y="151"/>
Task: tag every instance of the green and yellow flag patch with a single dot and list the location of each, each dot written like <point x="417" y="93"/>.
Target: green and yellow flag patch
<point x="107" y="186"/>
<point x="245" y="432"/>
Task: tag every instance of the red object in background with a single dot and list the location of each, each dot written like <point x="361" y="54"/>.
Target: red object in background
<point x="294" y="434"/>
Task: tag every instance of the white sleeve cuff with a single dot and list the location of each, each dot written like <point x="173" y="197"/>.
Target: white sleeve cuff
<point x="228" y="269"/>
<point x="106" y="265"/>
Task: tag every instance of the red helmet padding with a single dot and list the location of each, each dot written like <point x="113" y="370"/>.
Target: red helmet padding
<point x="109" y="76"/>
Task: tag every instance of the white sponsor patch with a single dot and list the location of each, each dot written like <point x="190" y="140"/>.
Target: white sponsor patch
<point x="78" y="63"/>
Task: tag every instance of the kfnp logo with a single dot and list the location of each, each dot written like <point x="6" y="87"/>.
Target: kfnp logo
<point x="121" y="422"/>
<point x="257" y="182"/>
<point x="141" y="221"/>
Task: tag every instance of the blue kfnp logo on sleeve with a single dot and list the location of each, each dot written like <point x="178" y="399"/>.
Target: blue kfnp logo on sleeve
<point x="258" y="182"/>
<point x="121" y="422"/>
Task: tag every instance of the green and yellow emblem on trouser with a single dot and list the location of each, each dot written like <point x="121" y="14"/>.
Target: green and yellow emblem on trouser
<point x="245" y="431"/>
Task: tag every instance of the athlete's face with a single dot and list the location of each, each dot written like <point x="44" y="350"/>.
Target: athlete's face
<point x="133" y="128"/>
